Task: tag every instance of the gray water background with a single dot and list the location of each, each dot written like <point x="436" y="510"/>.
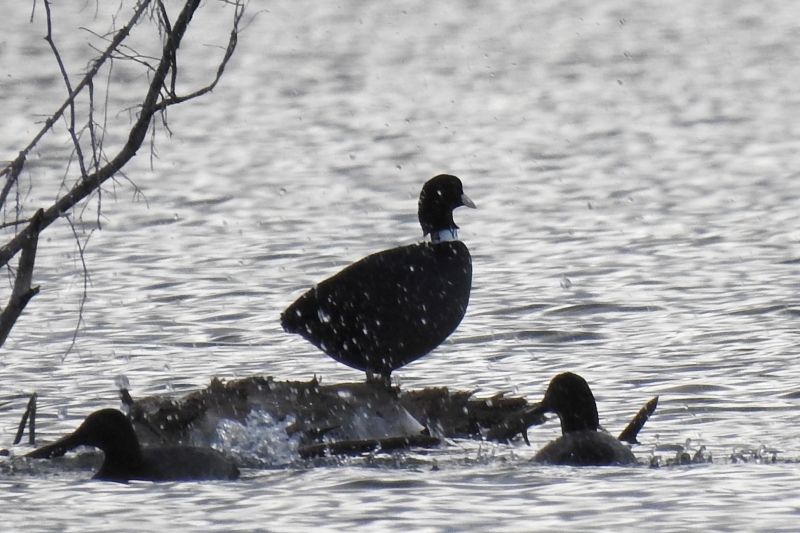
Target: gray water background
<point x="635" y="165"/>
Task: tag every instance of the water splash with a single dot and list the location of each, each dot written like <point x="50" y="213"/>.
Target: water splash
<point x="259" y="441"/>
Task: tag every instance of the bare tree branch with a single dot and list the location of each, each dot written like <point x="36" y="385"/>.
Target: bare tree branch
<point x="23" y="292"/>
<point x="232" y="42"/>
<point x="150" y="106"/>
<point x="161" y="94"/>
<point x="8" y="172"/>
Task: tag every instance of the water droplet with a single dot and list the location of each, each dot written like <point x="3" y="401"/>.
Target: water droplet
<point x="282" y="191"/>
<point x="62" y="413"/>
<point x="352" y="156"/>
<point x="323" y="316"/>
<point x="565" y="282"/>
<point x="122" y="382"/>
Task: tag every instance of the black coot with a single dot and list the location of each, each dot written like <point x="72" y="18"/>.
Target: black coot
<point x="112" y="432"/>
<point x="395" y="306"/>
<point x="581" y="444"/>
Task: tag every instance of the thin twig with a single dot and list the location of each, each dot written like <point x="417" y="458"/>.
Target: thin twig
<point x="81" y="249"/>
<point x="160" y="95"/>
<point x="5" y="225"/>
<point x="229" y="50"/>
<point x="71" y="125"/>
<point x="30" y="413"/>
<point x="121" y="35"/>
<point x="149" y="107"/>
<point x="11" y="172"/>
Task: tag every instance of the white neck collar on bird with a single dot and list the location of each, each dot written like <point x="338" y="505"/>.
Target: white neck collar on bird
<point x="445" y="235"/>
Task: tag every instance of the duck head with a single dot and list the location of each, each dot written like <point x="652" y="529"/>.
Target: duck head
<point x="570" y="397"/>
<point x="106" y="429"/>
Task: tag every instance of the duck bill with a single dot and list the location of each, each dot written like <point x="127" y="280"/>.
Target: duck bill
<point x="538" y="409"/>
<point x="56" y="449"/>
<point x="466" y="201"/>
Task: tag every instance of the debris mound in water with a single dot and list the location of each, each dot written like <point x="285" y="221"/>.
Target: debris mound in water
<point x="344" y="418"/>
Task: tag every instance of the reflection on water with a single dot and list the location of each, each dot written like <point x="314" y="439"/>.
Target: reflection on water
<point x="646" y="154"/>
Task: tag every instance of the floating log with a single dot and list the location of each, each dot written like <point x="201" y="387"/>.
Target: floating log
<point x="333" y="419"/>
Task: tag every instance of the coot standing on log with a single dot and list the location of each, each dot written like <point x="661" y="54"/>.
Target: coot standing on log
<point x="395" y="306"/>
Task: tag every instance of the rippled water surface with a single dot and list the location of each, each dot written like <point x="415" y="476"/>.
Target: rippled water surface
<point x="635" y="166"/>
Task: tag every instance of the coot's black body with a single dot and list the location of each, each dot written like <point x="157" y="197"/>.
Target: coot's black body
<point x="395" y="306"/>
<point x="581" y="444"/>
<point x="111" y="431"/>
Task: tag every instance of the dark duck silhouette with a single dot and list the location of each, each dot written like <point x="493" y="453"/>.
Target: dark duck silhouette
<point x="112" y="432"/>
<point x="394" y="306"/>
<point x="581" y="444"/>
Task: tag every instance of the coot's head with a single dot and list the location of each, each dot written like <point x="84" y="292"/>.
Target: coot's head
<point x="439" y="196"/>
<point x="570" y="397"/>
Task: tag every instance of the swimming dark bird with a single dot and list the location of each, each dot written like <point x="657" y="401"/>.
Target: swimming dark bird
<point x="580" y="444"/>
<point x="112" y="432"/>
<point x="394" y="306"/>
